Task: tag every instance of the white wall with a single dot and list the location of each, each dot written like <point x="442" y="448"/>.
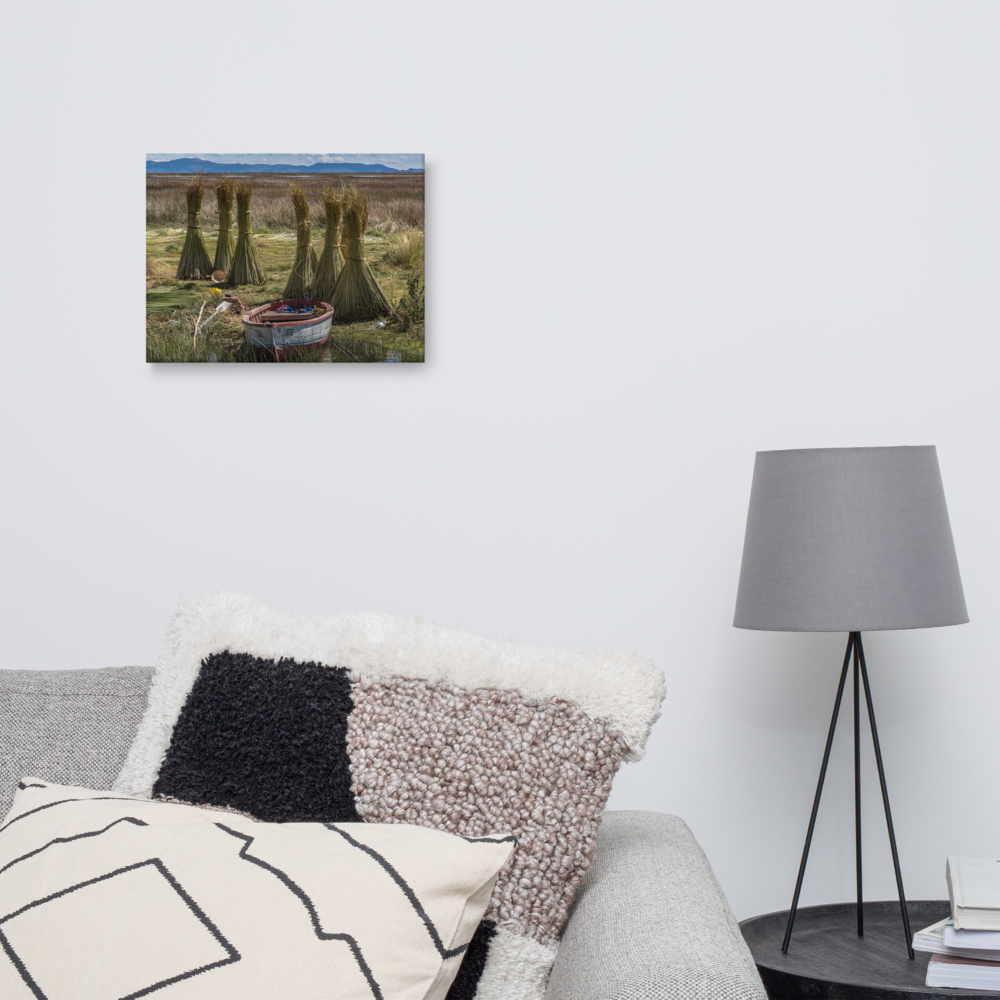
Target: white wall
<point x="660" y="238"/>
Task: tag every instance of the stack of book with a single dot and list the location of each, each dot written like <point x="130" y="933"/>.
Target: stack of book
<point x="965" y="947"/>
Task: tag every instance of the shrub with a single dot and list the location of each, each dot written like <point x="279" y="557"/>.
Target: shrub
<point x="409" y="314"/>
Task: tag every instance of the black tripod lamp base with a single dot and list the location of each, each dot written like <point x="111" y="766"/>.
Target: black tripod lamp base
<point x="855" y="650"/>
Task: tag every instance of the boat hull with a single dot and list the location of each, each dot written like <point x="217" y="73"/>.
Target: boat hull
<point x="287" y="338"/>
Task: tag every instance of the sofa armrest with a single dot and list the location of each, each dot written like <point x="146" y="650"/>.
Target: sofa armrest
<point x="650" y="921"/>
<point x="71" y="727"/>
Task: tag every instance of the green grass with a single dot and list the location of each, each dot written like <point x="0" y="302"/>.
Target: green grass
<point x="172" y="306"/>
<point x="167" y="298"/>
<point x="220" y="338"/>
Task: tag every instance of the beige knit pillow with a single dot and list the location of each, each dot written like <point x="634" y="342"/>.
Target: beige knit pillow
<point x="105" y="897"/>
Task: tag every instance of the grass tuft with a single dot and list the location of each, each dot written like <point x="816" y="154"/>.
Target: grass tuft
<point x="405" y="250"/>
<point x="170" y="336"/>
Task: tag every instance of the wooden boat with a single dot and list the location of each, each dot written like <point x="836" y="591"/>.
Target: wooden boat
<point x="288" y="326"/>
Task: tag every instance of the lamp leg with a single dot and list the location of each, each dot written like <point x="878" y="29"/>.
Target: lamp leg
<point x="857" y="783"/>
<point x="885" y="798"/>
<point x="819" y="792"/>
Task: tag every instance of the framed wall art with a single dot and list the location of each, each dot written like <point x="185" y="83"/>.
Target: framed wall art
<point x="263" y="258"/>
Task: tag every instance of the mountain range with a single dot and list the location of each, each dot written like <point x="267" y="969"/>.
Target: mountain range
<point x="191" y="165"/>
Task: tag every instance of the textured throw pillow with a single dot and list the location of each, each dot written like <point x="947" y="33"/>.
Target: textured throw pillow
<point x="103" y="897"/>
<point x="388" y="719"/>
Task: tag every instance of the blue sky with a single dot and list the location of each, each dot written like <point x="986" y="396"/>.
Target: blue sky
<point x="400" y="161"/>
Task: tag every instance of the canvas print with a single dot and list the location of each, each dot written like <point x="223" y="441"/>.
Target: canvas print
<point x="264" y="258"/>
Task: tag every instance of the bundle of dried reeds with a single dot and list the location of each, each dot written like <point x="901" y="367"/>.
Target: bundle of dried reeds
<point x="195" y="261"/>
<point x="357" y="295"/>
<point x="303" y="277"/>
<point x="332" y="261"/>
<point x="246" y="268"/>
<point x="224" y="191"/>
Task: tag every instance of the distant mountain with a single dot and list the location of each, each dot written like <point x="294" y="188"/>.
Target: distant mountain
<point x="191" y="165"/>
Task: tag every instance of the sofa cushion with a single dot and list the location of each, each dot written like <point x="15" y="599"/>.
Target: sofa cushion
<point x="72" y="727"/>
<point x="393" y="720"/>
<point x="106" y="896"/>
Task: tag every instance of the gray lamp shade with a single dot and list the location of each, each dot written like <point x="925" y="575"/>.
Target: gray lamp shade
<point x="848" y="539"/>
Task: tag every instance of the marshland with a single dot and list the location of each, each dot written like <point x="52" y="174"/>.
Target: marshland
<point x="393" y="247"/>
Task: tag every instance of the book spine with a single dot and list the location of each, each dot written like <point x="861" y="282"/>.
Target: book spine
<point x="949" y="876"/>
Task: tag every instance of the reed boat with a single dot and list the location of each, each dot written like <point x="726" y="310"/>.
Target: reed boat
<point x="288" y="326"/>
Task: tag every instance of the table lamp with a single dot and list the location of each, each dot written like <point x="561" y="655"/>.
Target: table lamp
<point x="849" y="540"/>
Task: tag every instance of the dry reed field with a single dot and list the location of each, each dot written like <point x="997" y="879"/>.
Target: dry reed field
<point x="396" y="201"/>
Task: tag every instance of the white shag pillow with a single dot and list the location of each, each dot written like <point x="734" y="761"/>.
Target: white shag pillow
<point x="104" y="897"/>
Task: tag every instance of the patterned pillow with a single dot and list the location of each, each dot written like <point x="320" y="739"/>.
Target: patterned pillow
<point x="389" y="719"/>
<point x="107" y="897"/>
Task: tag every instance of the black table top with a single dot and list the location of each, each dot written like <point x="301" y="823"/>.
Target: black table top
<point x="827" y="959"/>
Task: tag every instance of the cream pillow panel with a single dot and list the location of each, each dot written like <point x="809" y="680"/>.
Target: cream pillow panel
<point x="107" y="897"/>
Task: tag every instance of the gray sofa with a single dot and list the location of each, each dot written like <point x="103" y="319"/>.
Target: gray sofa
<point x="650" y="920"/>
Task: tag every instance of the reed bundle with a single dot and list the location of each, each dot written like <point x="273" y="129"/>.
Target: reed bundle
<point x="332" y="261"/>
<point x="357" y="295"/>
<point x="195" y="261"/>
<point x="224" y="191"/>
<point x="303" y="276"/>
<point x="246" y="268"/>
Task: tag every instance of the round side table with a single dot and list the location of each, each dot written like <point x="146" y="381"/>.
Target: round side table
<point x="827" y="959"/>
